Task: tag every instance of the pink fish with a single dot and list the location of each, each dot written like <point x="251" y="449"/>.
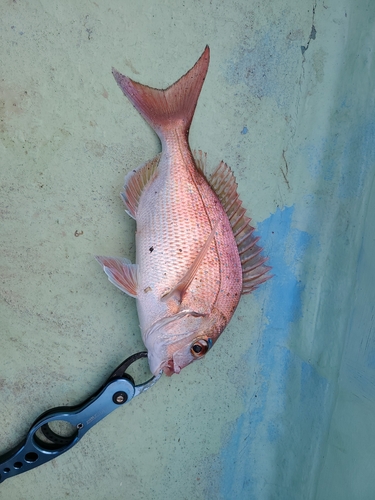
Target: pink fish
<point x="195" y="249"/>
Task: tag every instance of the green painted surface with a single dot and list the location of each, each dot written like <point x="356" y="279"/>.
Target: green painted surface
<point x="282" y="408"/>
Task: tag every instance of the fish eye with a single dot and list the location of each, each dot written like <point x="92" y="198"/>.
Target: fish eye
<point x="200" y="347"/>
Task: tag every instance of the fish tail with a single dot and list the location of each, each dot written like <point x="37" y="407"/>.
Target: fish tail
<point x="172" y="108"/>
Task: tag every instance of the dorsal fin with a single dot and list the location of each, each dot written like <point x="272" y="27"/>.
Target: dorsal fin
<point x="135" y="182"/>
<point x="223" y="182"/>
<point x="200" y="159"/>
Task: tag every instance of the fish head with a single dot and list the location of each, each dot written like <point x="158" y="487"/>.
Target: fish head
<point x="176" y="341"/>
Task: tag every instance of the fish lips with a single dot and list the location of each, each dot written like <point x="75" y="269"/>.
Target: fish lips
<point x="169" y="368"/>
<point x="175" y="363"/>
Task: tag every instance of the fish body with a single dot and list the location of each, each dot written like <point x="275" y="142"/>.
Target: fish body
<point x="195" y="252"/>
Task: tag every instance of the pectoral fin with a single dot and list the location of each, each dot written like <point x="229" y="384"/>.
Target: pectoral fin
<point x="121" y="272"/>
<point x="178" y="291"/>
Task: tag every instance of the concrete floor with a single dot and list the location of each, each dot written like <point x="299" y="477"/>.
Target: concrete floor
<point x="282" y="408"/>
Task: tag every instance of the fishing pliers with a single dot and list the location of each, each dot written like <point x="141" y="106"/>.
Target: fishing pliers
<point x="57" y="430"/>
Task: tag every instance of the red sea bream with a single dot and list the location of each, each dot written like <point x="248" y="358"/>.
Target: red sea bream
<point x="195" y="249"/>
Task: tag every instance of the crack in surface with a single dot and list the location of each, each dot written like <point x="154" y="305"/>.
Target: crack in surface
<point x="285" y="172"/>
<point x="293" y="130"/>
<point x="313" y="32"/>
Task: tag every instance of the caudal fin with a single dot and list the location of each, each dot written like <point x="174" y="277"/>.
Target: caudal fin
<point x="170" y="108"/>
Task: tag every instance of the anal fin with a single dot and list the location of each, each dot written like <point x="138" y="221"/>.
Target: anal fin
<point x="121" y="272"/>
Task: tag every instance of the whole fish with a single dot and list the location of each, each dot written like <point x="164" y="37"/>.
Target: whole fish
<point x="195" y="251"/>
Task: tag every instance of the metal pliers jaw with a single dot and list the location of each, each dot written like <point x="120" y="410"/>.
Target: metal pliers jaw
<point x="43" y="443"/>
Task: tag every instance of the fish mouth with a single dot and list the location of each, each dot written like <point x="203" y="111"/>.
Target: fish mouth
<point x="169" y="368"/>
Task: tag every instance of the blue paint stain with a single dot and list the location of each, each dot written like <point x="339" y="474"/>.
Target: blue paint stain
<point x="259" y="430"/>
<point x="322" y="158"/>
<point x="342" y="162"/>
<point x="273" y="432"/>
<point x="283" y="293"/>
<point x="371" y="357"/>
<point x="361" y="148"/>
<point x="244" y="131"/>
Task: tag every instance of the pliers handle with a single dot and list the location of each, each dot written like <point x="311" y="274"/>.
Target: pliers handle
<point x="57" y="430"/>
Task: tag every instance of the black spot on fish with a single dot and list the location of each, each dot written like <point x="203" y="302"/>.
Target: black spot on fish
<point x="151" y="249"/>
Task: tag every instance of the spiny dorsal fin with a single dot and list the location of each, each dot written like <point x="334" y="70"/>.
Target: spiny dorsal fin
<point x="223" y="182"/>
<point x="135" y="182"/>
<point x="200" y="161"/>
<point x="121" y="272"/>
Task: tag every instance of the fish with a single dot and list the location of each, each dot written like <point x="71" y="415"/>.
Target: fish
<point x="195" y="249"/>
